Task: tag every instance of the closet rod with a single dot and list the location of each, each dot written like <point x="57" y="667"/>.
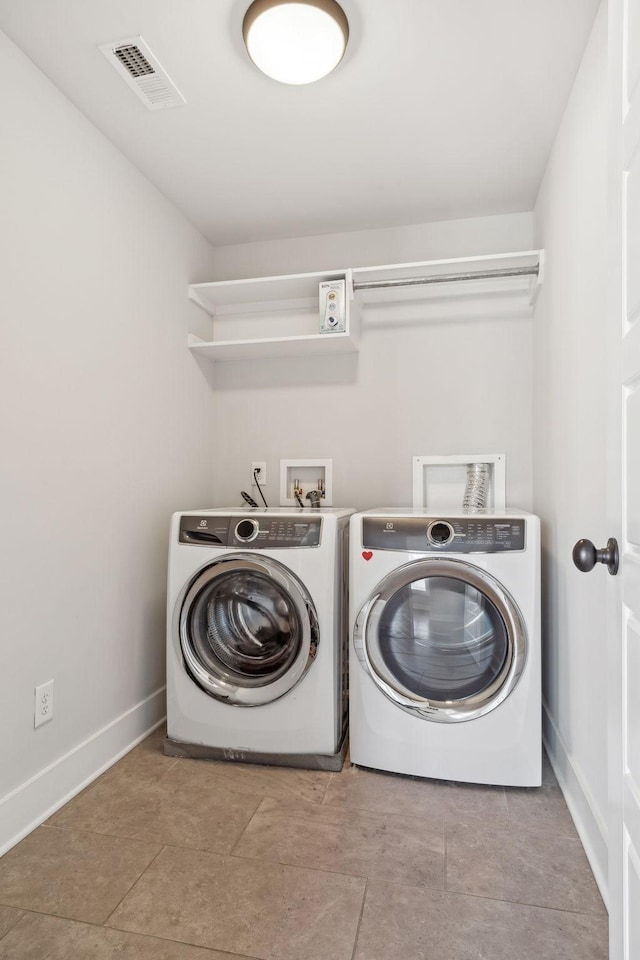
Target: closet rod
<point x="531" y="271"/>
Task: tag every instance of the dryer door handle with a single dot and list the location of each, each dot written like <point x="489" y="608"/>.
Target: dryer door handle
<point x="585" y="556"/>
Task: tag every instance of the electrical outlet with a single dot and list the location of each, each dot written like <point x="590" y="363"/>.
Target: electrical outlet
<point x="43" y="704"/>
<point x="261" y="466"/>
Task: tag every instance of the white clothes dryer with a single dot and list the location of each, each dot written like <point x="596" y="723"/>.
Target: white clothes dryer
<point x="445" y="645"/>
<point x="257" y="636"/>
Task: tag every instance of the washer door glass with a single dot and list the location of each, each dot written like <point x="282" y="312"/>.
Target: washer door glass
<point x="248" y="630"/>
<point x="443" y="639"/>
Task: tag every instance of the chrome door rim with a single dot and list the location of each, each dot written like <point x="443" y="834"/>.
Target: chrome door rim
<point x="224" y="688"/>
<point x="366" y="641"/>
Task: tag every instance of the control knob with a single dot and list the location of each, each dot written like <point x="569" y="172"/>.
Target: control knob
<point x="247" y="530"/>
<point x="440" y="533"/>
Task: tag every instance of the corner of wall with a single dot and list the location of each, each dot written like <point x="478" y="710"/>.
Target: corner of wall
<point x="591" y="828"/>
<point x="31" y="803"/>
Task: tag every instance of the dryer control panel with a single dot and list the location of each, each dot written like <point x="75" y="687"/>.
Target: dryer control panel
<point x="250" y="531"/>
<point x="472" y="534"/>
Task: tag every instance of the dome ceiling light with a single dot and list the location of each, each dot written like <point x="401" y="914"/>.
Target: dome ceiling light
<point x="295" y="41"/>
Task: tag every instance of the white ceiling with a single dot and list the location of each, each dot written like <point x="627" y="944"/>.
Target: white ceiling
<point x="440" y="108"/>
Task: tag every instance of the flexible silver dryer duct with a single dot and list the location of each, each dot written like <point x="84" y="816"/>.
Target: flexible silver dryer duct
<point x="476" y="494"/>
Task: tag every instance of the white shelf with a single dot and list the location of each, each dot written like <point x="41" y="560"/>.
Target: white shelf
<point x="266" y="317"/>
<point x="259" y="294"/>
<point x="271" y="317"/>
<point x="264" y="348"/>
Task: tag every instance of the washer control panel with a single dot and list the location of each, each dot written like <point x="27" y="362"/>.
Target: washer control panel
<point x="444" y="534"/>
<point x="253" y="532"/>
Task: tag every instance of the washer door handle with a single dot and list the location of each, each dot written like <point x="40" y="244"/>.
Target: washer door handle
<point x="585" y="556"/>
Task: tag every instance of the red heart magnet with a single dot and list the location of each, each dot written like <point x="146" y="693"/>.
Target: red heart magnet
<point x="367" y="554"/>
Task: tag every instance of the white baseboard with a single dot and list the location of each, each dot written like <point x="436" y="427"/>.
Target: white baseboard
<point x="591" y="828"/>
<point x="26" y="807"/>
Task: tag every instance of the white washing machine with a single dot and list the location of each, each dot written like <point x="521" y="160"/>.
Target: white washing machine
<point x="257" y="636"/>
<point x="445" y="647"/>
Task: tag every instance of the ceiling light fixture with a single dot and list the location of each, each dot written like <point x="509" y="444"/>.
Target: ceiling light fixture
<point x="295" y="41"/>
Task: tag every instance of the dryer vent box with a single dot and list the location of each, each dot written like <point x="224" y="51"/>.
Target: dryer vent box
<point x="439" y="483"/>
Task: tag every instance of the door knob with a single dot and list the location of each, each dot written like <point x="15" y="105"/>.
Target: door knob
<point x="585" y="556"/>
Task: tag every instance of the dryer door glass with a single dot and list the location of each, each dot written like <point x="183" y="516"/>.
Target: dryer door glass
<point x="248" y="630"/>
<point x="442" y="639"/>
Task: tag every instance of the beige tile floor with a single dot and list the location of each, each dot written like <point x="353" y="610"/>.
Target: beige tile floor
<point x="165" y="859"/>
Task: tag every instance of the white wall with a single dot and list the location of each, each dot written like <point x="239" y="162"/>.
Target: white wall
<point x="106" y="429"/>
<point x="417" y="386"/>
<point x="425" y="241"/>
<point x="570" y="446"/>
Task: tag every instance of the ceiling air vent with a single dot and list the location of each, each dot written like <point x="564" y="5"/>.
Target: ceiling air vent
<point x="137" y="65"/>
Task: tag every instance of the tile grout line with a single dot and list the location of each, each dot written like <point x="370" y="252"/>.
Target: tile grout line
<point x="133" y="885"/>
<point x="21" y="915"/>
<point x="127" y="933"/>
<point x="517" y="903"/>
<point x="326" y="789"/>
<point x="298" y="866"/>
<point x="359" y="925"/>
<point x="279" y="863"/>
<point x="185" y="943"/>
<point x="112" y="836"/>
<point x="246" y="827"/>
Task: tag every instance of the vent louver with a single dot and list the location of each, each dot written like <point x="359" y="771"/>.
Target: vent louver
<point x="133" y="60"/>
<point x="141" y="70"/>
